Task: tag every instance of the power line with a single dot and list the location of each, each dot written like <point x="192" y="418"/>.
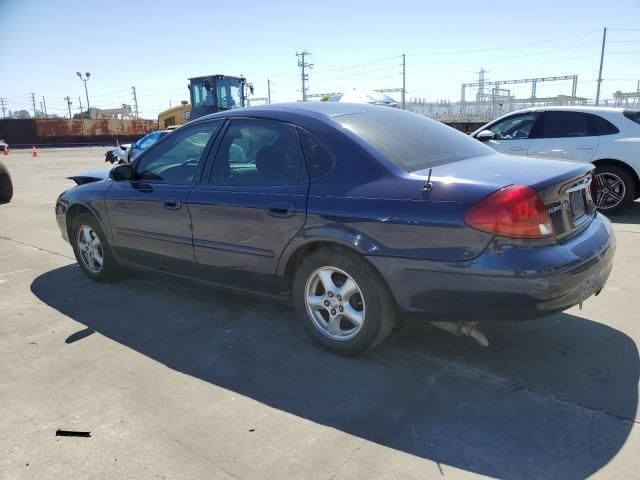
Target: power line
<point x="476" y="60"/>
<point x="357" y="65"/>
<point x="455" y="52"/>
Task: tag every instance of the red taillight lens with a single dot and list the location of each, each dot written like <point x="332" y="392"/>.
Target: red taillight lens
<point x="516" y="211"/>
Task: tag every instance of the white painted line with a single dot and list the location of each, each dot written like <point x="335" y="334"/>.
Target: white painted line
<point x="16" y="271"/>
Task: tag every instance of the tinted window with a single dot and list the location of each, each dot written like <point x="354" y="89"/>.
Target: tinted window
<point x="411" y="141"/>
<point x="176" y="159"/>
<point x="633" y="115"/>
<point x="563" y="124"/>
<point x="515" y="127"/>
<point x="258" y="152"/>
<point x="146" y="142"/>
<point x="320" y="160"/>
<point x="600" y="126"/>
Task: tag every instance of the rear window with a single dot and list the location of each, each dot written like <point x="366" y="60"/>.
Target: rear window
<point x="633" y="115"/>
<point x="411" y="141"/>
<point x="600" y="126"/>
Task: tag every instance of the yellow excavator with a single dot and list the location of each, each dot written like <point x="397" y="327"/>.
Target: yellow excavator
<point x="209" y="94"/>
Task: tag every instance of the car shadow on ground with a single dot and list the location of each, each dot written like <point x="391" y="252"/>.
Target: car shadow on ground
<point x="630" y="215"/>
<point x="554" y="398"/>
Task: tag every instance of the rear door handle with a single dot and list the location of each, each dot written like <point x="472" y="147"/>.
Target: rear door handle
<point x="585" y="147"/>
<point x="172" y="203"/>
<point x="281" y="209"/>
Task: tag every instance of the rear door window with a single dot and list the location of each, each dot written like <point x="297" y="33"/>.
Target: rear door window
<point x="560" y="124"/>
<point x="320" y="159"/>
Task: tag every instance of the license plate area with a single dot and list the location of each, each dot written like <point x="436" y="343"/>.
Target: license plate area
<point x="578" y="203"/>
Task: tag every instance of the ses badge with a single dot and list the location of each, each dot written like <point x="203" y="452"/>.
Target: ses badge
<point x="557" y="208"/>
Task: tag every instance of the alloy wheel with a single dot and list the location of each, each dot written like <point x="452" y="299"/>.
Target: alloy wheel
<point x="611" y="190"/>
<point x="90" y="249"/>
<point x="335" y="303"/>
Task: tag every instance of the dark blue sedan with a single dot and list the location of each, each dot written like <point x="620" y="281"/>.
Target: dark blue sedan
<point x="353" y="212"/>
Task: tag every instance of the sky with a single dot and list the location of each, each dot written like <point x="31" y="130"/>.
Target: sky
<point x="157" y="45"/>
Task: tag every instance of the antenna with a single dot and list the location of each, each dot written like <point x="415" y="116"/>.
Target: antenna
<point x="428" y="186"/>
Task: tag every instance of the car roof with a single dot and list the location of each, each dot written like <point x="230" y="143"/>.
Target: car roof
<point x="572" y="108"/>
<point x="326" y="109"/>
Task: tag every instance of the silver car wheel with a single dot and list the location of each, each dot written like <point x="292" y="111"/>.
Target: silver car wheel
<point x="334" y="303"/>
<point x="611" y="190"/>
<point x="90" y="249"/>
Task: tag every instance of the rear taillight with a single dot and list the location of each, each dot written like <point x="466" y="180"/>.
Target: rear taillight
<point x="516" y="211"/>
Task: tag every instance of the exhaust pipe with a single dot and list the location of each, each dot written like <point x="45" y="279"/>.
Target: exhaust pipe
<point x="463" y="328"/>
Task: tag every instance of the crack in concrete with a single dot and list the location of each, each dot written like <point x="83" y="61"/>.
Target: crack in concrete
<point x="2" y="237"/>
<point x="349" y="458"/>
<point x="205" y="458"/>
<point x="505" y="382"/>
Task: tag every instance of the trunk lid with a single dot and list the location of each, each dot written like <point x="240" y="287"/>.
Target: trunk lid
<point x="563" y="186"/>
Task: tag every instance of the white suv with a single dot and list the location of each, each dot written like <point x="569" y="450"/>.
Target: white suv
<point x="607" y="137"/>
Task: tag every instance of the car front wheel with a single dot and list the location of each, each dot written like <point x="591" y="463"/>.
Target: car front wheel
<point x="92" y="250"/>
<point x="344" y="303"/>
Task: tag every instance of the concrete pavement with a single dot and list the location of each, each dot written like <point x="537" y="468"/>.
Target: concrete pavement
<point x="175" y="380"/>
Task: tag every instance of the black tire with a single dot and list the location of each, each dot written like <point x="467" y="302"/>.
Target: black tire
<point x="610" y="171"/>
<point x="6" y="185"/>
<point x="109" y="268"/>
<point x="376" y="300"/>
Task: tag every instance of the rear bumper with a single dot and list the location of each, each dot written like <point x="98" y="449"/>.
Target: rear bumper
<point x="506" y="284"/>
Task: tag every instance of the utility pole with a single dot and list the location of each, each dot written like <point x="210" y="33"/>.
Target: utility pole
<point x="68" y="100"/>
<point x="404" y="79"/>
<point x="81" y="115"/>
<point x="2" y="100"/>
<point x="33" y="101"/>
<point x="604" y="39"/>
<point x="269" y="91"/>
<point x="44" y="102"/>
<point x="85" y="80"/>
<point x="135" y="100"/>
<point x="304" y="77"/>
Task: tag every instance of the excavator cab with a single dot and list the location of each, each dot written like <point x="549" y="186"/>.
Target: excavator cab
<point x="216" y="93"/>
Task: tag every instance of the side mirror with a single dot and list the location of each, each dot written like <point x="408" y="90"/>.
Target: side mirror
<point x="485" y="135"/>
<point x="121" y="173"/>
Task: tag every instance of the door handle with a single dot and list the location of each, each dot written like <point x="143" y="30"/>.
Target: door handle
<point x="517" y="149"/>
<point x="281" y="209"/>
<point x="172" y="203"/>
<point x="585" y="147"/>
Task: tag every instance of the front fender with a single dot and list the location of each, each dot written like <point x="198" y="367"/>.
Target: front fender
<point x="87" y="197"/>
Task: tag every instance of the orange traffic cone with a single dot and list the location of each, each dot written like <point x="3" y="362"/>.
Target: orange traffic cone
<point x="34" y="152"/>
<point x="5" y="151"/>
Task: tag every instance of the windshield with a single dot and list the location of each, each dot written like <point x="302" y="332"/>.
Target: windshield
<point x="229" y="94"/>
<point x="411" y="141"/>
<point x="200" y="96"/>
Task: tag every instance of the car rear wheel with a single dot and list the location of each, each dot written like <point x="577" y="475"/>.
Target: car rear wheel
<point x="92" y="250"/>
<point x="615" y="189"/>
<point x="6" y="185"/>
<point x="343" y="302"/>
